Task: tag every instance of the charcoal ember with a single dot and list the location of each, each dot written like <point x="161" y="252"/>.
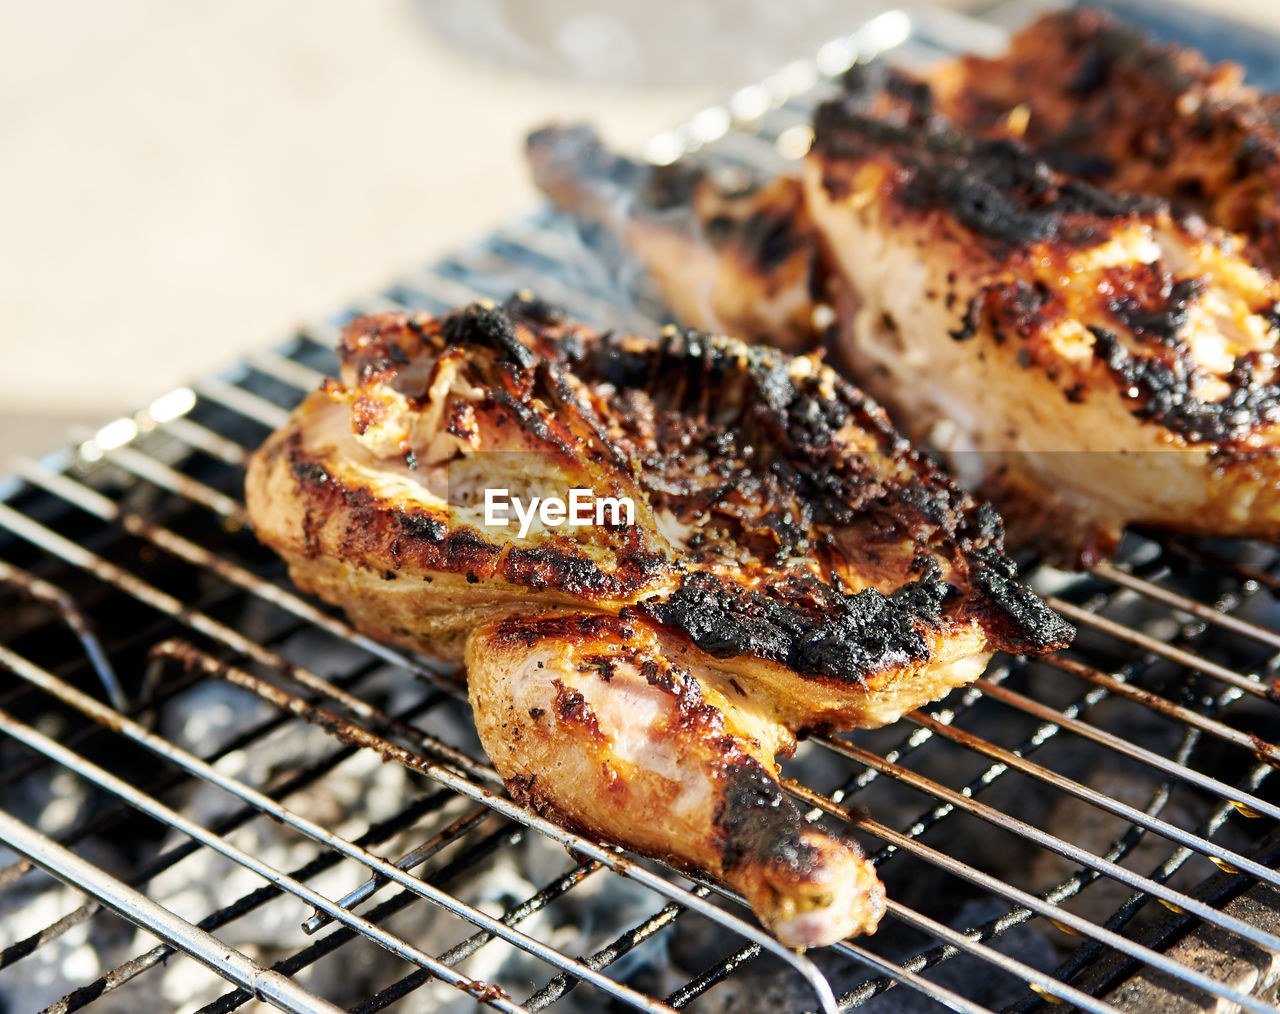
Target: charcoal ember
<point x="78" y="956"/>
<point x="53" y="801"/>
<point x="972" y="976"/>
<point x="1222" y="956"/>
<point x="1095" y="830"/>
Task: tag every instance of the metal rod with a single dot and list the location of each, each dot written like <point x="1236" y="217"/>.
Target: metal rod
<point x="137" y="908"/>
<point x="605" y="956"/>
<point x="1247" y="683"/>
<point x="1031" y="976"/>
<point x="40" y="590"/>
<point x="204" y="439"/>
<point x="290" y="371"/>
<point x="1055" y="913"/>
<point x="1101" y="800"/>
<point x="1084" y="956"/>
<point x="167" y="604"/>
<point x="195" y="554"/>
<point x="558" y="887"/>
<point x="716" y="973"/>
<point x="1002" y="820"/>
<point x="165" y="477"/>
<point x="1250" y="801"/>
<point x="157" y="810"/>
<point x="444" y="290"/>
<point x="921" y="825"/>
<point x="46" y="681"/>
<point x="1187" y="605"/>
<point x="409" y="861"/>
<point x="128" y="970"/>
<point x="245" y="403"/>
<point x="164" y="860"/>
<point x="1259" y="747"/>
<point x="322" y="946"/>
<point x="943" y="995"/>
<point x="1199" y="554"/>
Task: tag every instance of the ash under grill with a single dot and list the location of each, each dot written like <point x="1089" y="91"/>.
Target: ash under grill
<point x="242" y="802"/>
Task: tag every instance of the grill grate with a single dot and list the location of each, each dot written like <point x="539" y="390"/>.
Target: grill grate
<point x="1109" y="806"/>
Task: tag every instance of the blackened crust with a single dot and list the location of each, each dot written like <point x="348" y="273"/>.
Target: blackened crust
<point x="1133" y="114"/>
<point x="487" y="326"/>
<point x="758" y="823"/>
<point x="1031" y="626"/>
<point x="1159" y="379"/>
<point x="810" y="627"/>
<point x="994" y="187"/>
<point x="792" y="485"/>
<point x="1021" y="211"/>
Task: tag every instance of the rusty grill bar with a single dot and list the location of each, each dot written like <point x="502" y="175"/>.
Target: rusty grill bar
<point x="130" y="586"/>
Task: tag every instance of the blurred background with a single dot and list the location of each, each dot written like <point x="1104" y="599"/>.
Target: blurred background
<point x="187" y="181"/>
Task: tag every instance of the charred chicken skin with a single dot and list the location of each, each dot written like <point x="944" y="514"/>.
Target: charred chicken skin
<point x="1056" y="334"/>
<point x="1088" y="359"/>
<point x="1099" y="100"/>
<point x="791" y="566"/>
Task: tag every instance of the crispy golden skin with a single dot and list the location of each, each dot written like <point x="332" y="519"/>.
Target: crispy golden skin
<point x="791" y="567"/>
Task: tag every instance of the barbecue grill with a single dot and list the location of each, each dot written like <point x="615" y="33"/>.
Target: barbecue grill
<point x="200" y="767"/>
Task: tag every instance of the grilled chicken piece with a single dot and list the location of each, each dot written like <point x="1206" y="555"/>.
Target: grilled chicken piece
<point x="1058" y="341"/>
<point x="1054" y="340"/>
<point x="1099" y="100"/>
<point x="616" y="728"/>
<point x="791" y="567"/>
<point x="730" y="252"/>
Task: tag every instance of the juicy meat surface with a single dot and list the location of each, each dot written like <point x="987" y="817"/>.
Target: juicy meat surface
<point x="791" y="567"/>
<point x="1082" y="347"/>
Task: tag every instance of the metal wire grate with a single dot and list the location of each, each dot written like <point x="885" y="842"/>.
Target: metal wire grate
<point x="169" y="691"/>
